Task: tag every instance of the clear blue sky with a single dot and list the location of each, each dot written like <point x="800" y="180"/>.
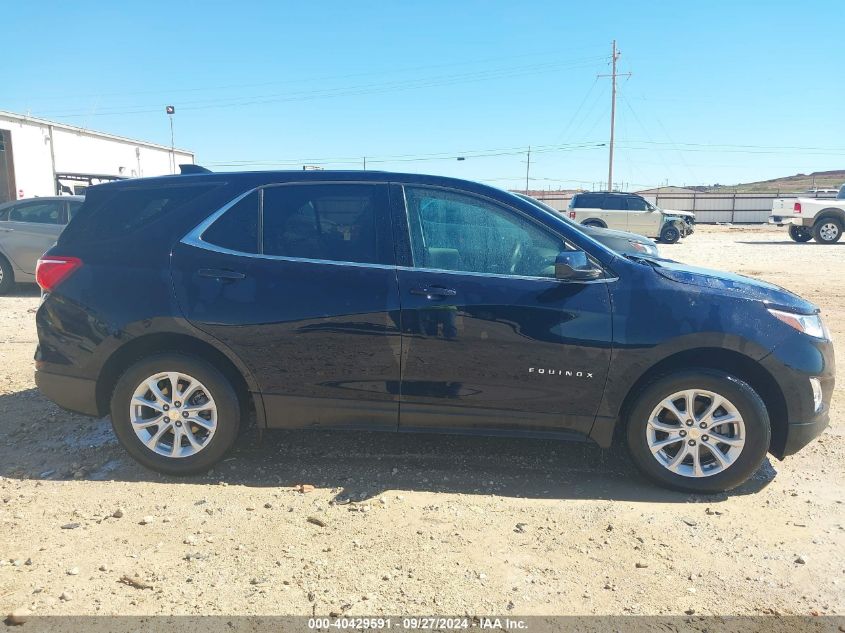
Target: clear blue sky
<point x="721" y="91"/>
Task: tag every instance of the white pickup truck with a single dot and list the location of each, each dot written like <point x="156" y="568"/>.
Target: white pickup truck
<point x="808" y="218"/>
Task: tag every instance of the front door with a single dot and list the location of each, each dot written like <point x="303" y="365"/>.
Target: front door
<point x="299" y="281"/>
<point x="29" y="229"/>
<point x="643" y="219"/>
<point x="491" y="340"/>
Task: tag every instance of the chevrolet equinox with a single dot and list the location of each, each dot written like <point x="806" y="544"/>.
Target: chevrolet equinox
<point x="182" y="305"/>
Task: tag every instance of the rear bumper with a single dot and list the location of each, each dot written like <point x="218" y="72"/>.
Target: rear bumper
<point x="74" y="394"/>
<point x="785" y="220"/>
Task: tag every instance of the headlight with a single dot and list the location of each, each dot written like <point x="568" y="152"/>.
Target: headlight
<point x="641" y="247"/>
<point x="811" y="324"/>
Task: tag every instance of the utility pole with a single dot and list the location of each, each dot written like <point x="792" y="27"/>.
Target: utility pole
<point x="365" y="163"/>
<point x="614" y="57"/>
<point x="527" y="169"/>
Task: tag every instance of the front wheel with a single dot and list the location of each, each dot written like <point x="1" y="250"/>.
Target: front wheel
<point x="700" y="430"/>
<point x="800" y="233"/>
<point x="175" y="414"/>
<point x="670" y="234"/>
<point x="827" y="230"/>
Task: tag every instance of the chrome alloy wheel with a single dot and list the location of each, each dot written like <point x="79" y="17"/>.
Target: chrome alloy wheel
<point x="829" y="231"/>
<point x="173" y="414"/>
<point x="695" y="433"/>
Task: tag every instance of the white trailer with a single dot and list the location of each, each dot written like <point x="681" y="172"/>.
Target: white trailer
<point x="45" y="158"/>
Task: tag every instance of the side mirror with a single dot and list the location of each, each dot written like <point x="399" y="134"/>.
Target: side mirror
<point x="575" y="266"/>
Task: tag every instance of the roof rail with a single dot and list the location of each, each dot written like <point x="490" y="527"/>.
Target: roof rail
<point x="188" y="168"/>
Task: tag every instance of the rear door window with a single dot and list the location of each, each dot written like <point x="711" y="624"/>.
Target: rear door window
<point x="72" y="208"/>
<point x="614" y="203"/>
<point x="588" y="201"/>
<point x="328" y="221"/>
<point x="237" y="228"/>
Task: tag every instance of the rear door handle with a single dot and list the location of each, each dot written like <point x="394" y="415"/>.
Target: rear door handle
<point x="7" y="230"/>
<point x="434" y="292"/>
<point x="220" y="274"/>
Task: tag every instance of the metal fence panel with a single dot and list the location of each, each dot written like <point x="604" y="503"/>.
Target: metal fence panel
<point x="743" y="208"/>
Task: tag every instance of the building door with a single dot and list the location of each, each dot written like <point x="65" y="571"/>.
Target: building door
<point x="7" y="168"/>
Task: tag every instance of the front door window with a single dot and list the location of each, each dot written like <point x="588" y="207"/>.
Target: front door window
<point x="456" y="232"/>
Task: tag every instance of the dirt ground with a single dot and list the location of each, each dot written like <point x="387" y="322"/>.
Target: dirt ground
<point x="417" y="524"/>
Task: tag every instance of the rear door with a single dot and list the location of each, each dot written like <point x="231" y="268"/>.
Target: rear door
<point x="491" y="340"/>
<point x="299" y="280"/>
<point x="29" y="229"/>
<point x="615" y="213"/>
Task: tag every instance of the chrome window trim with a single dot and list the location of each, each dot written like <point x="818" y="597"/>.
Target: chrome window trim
<point x="194" y="237"/>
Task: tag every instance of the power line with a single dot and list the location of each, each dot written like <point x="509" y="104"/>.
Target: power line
<point x="354" y="90"/>
<point x="401" y="158"/>
<point x="450" y="64"/>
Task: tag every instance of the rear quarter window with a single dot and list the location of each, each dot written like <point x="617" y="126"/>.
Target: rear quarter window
<point x="110" y="213"/>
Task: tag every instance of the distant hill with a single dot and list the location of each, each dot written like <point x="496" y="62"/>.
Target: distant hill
<point x="799" y="182"/>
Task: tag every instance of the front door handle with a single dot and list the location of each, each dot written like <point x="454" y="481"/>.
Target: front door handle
<point x="7" y="230"/>
<point x="434" y="292"/>
<point x="220" y="274"/>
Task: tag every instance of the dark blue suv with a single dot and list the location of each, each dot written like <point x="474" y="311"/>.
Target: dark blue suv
<point x="184" y="305"/>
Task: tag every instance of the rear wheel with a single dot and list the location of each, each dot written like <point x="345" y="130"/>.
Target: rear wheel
<point x="7" y="276"/>
<point x="595" y="224"/>
<point x="827" y="230"/>
<point x="670" y="234"/>
<point x="800" y="233"/>
<point x="699" y="431"/>
<point x="175" y="414"/>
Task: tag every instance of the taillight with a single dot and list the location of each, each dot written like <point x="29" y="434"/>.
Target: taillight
<point x="53" y="270"/>
<point x="796" y="207"/>
<point x="572" y="215"/>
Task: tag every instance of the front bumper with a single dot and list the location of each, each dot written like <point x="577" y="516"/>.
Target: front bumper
<point x="799" y="434"/>
<point x="74" y="394"/>
<point x="792" y="364"/>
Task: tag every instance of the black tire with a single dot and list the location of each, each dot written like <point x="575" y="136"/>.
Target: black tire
<point x="670" y="234"/>
<point x="827" y="230"/>
<point x="594" y="223"/>
<point x="221" y="391"/>
<point x="800" y="233"/>
<point x="7" y="276"/>
<point x="746" y="401"/>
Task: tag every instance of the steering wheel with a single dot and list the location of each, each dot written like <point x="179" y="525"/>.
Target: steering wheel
<point x="516" y="256"/>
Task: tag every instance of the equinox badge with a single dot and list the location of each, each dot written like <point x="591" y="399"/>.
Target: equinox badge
<point x="560" y="372"/>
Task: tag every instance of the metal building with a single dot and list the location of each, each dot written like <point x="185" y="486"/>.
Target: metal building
<point x="44" y="158"/>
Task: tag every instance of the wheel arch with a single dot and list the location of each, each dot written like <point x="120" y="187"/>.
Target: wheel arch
<point x="731" y="362"/>
<point x="142" y="346"/>
<point x="594" y="222"/>
<point x="829" y="212"/>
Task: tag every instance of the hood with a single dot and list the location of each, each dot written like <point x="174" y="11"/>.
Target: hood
<point x="683" y="214"/>
<point x="730" y="283"/>
<point x="595" y="231"/>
